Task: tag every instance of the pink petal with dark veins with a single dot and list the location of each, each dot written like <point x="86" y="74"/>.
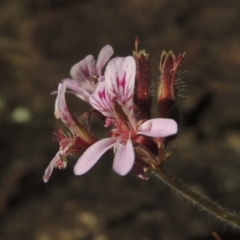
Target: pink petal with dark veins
<point x="62" y="111"/>
<point x="120" y="80"/>
<point x="84" y="70"/>
<point x="101" y="99"/>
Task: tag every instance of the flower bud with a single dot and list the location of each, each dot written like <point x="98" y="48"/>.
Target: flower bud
<point x="142" y="98"/>
<point x="167" y="92"/>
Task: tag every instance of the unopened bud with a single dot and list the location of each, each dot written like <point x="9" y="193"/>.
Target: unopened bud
<point x="142" y="98"/>
<point x="167" y="92"/>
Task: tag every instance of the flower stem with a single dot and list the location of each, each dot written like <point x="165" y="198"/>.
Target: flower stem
<point x="207" y="205"/>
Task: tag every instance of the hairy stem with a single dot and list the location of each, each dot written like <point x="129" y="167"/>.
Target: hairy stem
<point x="196" y="198"/>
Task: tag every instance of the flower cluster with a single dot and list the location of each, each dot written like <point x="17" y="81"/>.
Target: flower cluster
<point x="122" y="98"/>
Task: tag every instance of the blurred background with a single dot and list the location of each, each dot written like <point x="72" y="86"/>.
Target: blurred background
<point x="39" y="42"/>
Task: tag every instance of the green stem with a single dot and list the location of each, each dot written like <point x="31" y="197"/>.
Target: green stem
<point x="196" y="198"/>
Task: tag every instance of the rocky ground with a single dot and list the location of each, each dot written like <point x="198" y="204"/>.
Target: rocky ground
<point x="39" y="42"/>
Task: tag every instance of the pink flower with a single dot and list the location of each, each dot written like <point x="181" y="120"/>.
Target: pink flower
<point x="77" y="141"/>
<point x="84" y="76"/>
<point x="85" y="73"/>
<point x="113" y="97"/>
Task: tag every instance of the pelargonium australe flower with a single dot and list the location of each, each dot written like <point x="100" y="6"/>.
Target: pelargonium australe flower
<point x="75" y="142"/>
<point x="84" y="76"/>
<point x="113" y="97"/>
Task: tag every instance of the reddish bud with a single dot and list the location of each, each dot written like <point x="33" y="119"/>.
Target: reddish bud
<point x="167" y="92"/>
<point x="142" y="98"/>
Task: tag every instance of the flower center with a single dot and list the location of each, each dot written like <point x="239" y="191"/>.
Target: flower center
<point x="123" y="133"/>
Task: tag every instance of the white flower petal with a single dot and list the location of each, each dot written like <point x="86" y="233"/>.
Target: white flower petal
<point x="92" y="155"/>
<point x="103" y="57"/>
<point x="83" y="70"/>
<point x="120" y="80"/>
<point x="124" y="158"/>
<point x="78" y="89"/>
<point x="50" y="167"/>
<point x="158" y="127"/>
<point x="101" y="100"/>
<point x="56" y="108"/>
<point x="62" y="111"/>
